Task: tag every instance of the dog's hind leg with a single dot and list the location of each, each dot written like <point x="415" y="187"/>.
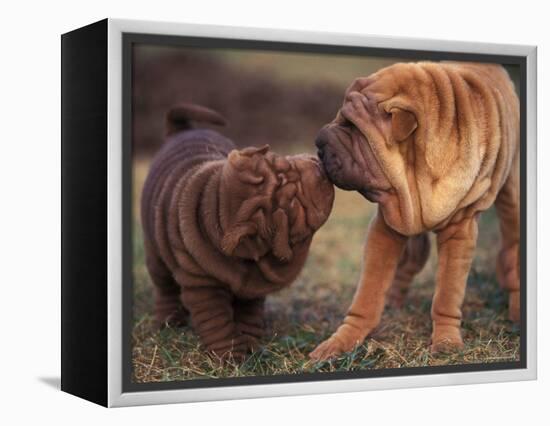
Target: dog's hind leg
<point x="212" y="317"/>
<point x="412" y="261"/>
<point x="508" y="210"/>
<point x="249" y="318"/>
<point x="168" y="307"/>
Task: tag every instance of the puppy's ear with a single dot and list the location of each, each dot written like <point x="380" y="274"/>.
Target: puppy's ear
<point x="281" y="243"/>
<point x="235" y="234"/>
<point x="252" y="150"/>
<point x="246" y="162"/>
<point x="403" y="123"/>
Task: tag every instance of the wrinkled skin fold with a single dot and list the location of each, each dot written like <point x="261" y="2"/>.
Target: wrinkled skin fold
<point x="434" y="145"/>
<point x="223" y="228"/>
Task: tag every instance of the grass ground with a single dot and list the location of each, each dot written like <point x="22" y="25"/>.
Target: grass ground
<point x="301" y="316"/>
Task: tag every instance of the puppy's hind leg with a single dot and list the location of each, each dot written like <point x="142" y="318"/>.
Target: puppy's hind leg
<point x="168" y="307"/>
<point x="212" y="317"/>
<point x="412" y="261"/>
<point x="249" y="319"/>
<point x="508" y="211"/>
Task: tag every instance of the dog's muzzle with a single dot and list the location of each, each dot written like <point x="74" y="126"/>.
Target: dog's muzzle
<point x="333" y="163"/>
<point x="327" y="154"/>
<point x="321" y="142"/>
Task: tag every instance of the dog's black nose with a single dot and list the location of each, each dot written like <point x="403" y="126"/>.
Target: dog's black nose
<point x="321" y="140"/>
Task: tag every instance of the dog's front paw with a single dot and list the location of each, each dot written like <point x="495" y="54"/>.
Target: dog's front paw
<point x="446" y="339"/>
<point x="330" y="348"/>
<point x="343" y="340"/>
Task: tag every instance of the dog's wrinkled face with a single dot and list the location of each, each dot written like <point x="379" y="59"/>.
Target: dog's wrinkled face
<point x="368" y="147"/>
<point x="272" y="203"/>
<point x="415" y="138"/>
<point x="397" y="140"/>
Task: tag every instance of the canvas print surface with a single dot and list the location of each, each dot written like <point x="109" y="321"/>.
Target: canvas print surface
<point x="297" y="213"/>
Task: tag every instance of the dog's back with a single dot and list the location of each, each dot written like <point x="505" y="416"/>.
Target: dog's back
<point x="185" y="149"/>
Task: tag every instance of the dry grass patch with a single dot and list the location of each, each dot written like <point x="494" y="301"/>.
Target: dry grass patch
<point x="301" y="316"/>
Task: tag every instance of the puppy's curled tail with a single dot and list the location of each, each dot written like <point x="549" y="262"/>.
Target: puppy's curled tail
<point x="180" y="117"/>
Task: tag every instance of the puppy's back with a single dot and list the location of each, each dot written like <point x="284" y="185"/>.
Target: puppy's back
<point x="184" y="150"/>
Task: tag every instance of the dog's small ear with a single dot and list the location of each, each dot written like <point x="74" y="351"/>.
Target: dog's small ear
<point x="403" y="123"/>
<point x="235" y="234"/>
<point x="252" y="150"/>
<point x="247" y="165"/>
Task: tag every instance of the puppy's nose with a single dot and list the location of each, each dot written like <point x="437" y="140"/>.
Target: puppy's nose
<point x="321" y="142"/>
<point x="322" y="139"/>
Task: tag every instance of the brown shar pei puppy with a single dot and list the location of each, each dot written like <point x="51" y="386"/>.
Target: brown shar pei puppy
<point x="223" y="228"/>
<point x="434" y="144"/>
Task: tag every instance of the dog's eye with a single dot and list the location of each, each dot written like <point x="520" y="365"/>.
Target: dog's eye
<point x="346" y="123"/>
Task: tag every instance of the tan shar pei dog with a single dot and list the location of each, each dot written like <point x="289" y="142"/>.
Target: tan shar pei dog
<point x="223" y="228"/>
<point x="434" y="145"/>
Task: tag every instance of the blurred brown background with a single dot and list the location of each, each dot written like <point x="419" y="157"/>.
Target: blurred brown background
<point x="278" y="98"/>
<point x="268" y="97"/>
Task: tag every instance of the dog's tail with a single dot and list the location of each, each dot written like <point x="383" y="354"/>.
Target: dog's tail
<point x="180" y="117"/>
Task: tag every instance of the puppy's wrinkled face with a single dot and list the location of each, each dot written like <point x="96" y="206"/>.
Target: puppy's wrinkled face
<point x="368" y="146"/>
<point x="271" y="203"/>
